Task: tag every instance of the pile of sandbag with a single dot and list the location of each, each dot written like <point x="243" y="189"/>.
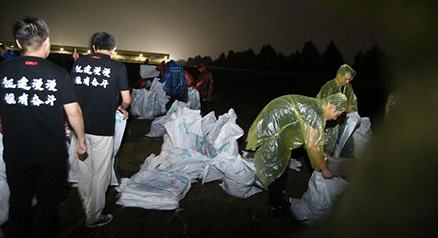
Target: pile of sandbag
<point x="148" y="104"/>
<point x="197" y="148"/>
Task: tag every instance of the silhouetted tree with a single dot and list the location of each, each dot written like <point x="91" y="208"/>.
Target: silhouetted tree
<point x="206" y="60"/>
<point x="267" y="58"/>
<point x="249" y="59"/>
<point x="371" y="64"/>
<point x="221" y="61"/>
<point x="295" y="61"/>
<point x="310" y="58"/>
<point x="331" y="59"/>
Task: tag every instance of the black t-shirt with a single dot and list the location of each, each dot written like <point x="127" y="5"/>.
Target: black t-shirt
<point x="32" y="93"/>
<point x="98" y="81"/>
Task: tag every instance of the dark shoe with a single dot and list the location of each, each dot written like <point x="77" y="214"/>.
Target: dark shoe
<point x="104" y="219"/>
<point x="275" y="211"/>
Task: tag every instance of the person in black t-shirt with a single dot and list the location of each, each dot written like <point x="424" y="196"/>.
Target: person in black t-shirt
<point x="99" y="82"/>
<point x="33" y="95"/>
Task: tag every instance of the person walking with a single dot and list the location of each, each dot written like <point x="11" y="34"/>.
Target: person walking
<point x="99" y="83"/>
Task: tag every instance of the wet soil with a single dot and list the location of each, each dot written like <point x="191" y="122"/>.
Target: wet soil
<point x="206" y="210"/>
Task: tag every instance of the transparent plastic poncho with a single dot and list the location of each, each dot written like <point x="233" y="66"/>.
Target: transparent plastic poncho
<point x="287" y="123"/>
<point x="330" y="88"/>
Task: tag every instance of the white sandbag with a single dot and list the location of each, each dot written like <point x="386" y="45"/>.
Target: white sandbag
<point x="362" y="136"/>
<point x="147" y="108"/>
<point x="239" y="178"/>
<point x="226" y="141"/>
<point x="230" y="116"/>
<point x="153" y="190"/>
<point x="157" y="126"/>
<point x="157" y="87"/>
<point x="160" y="105"/>
<point x="217" y="167"/>
<point x="161" y="98"/>
<point x="119" y="130"/>
<point x="189" y="162"/>
<point x="137" y="98"/>
<point x="353" y="119"/>
<point x="72" y="176"/>
<point x="148" y="71"/>
<point x="4" y="188"/>
<point x="193" y="99"/>
<point x="183" y="127"/>
<point x="208" y="122"/>
<point x="317" y="202"/>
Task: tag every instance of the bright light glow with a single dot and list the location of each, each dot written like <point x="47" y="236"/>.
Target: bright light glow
<point x="165" y="57"/>
<point x="115" y="53"/>
<point x="61" y="49"/>
<point x="88" y="51"/>
<point x="141" y="55"/>
<point x="12" y="46"/>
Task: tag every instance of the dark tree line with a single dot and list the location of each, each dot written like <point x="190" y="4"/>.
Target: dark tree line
<point x="369" y="63"/>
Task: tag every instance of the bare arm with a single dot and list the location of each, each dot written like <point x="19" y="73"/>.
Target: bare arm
<point x="315" y="151"/>
<point x="74" y="114"/>
<point x="126" y="101"/>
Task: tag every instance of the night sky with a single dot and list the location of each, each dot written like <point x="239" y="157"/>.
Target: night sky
<point x="186" y="28"/>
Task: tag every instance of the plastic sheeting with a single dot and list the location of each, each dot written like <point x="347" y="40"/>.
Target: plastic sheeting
<point x="287" y="123"/>
<point x="174" y="79"/>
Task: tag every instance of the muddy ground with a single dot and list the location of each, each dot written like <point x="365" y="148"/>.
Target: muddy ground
<point x="207" y="210"/>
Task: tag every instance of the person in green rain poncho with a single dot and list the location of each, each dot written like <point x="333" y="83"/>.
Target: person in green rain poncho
<point x="340" y="84"/>
<point x="286" y="123"/>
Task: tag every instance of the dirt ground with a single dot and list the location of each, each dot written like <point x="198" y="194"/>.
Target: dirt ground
<point x="206" y="211"/>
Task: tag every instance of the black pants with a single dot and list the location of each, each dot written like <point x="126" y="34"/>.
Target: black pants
<point x="46" y="182"/>
<point x="276" y="190"/>
<point x="278" y="187"/>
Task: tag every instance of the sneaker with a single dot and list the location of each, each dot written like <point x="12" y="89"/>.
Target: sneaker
<point x="104" y="219"/>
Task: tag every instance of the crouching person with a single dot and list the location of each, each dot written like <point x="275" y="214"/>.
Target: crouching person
<point x="287" y="123"/>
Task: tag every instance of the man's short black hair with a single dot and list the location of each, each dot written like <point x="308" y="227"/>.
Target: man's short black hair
<point x="104" y="41"/>
<point x="30" y="32"/>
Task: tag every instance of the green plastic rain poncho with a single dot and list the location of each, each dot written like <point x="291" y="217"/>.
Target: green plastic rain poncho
<point x="334" y="86"/>
<point x="287" y="123"/>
